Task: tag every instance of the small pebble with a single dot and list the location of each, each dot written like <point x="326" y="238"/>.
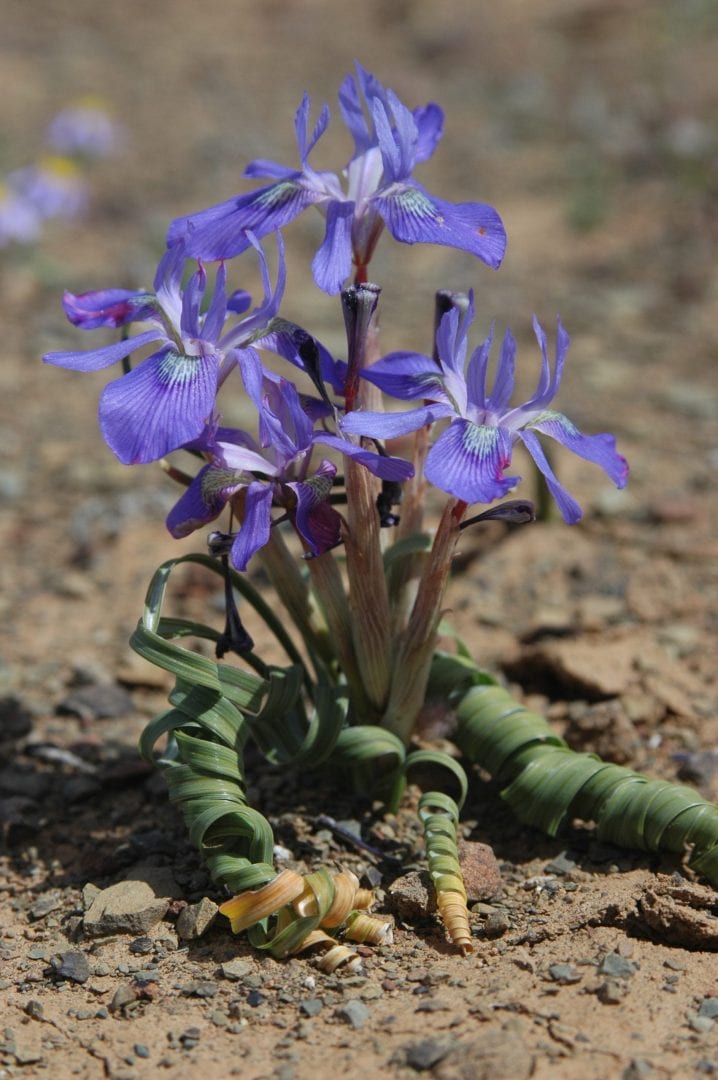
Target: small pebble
<point x="564" y="974"/>
<point x="354" y="1012"/>
<point x="71" y="965"/>
<point x="617" y="966"/>
<point x="142" y="945"/>
<point x="709" y="1007"/>
<point x="424" y="1055"/>
<point x="141" y="1050"/>
<point x="311" y="1007"/>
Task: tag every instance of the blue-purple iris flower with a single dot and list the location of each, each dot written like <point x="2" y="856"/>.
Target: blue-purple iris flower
<point x="389" y="141"/>
<point x="166" y="401"/>
<point x="469" y="457"/>
<point x="274" y="471"/>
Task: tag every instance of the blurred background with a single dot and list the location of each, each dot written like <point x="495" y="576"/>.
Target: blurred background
<point x="590" y="125"/>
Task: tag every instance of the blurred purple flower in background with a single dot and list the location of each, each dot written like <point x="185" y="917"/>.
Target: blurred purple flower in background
<point x="84" y="129"/>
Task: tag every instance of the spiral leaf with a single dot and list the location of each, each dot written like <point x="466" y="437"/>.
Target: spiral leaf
<point x="548" y="784"/>
<point x="439" y="815"/>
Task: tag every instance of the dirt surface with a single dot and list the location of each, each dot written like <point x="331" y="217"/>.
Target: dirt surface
<point x="591" y="126"/>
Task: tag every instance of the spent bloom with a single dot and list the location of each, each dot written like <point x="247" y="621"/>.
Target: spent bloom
<point x="168" y="398"/>
<point x="389" y="141"/>
<point x="275" y="471"/>
<point x="469" y="457"/>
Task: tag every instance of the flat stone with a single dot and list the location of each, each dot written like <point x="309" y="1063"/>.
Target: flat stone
<point x="160" y="879"/>
<point x="234" y="970"/>
<point x="103" y="701"/>
<point x="617" y="966"/>
<point x="129" y="907"/>
<point x="424" y="1055"/>
<point x="196" y="919"/>
<point x="564" y="974"/>
<point x="71" y="965"/>
<point x="354" y="1012"/>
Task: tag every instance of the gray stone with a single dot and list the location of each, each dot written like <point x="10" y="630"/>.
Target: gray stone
<point x="236" y="969"/>
<point x="196" y="919"/>
<point x="311" y="1006"/>
<point x="354" y="1012"/>
<point x="617" y="966"/>
<point x="424" y="1055"/>
<point x="564" y="974"/>
<point x="709" y="1007"/>
<point x="129" y="907"/>
<point x="103" y="701"/>
<point x="71" y="965"/>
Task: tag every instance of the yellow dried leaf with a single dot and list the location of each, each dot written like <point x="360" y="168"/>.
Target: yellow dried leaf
<point x="249" y="907"/>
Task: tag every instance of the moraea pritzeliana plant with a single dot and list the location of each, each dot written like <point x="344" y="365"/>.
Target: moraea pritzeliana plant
<point x="363" y="577"/>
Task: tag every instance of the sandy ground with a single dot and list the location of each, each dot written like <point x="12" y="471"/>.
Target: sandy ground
<point x="591" y="126"/>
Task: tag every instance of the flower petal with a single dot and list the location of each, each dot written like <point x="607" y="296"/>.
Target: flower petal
<point x="476" y="372"/>
<point x="317" y="522"/>
<point x="220" y="231"/>
<point x="332" y="263"/>
<point x="571" y="512"/>
<point x="390" y="425"/>
<point x="96" y="359"/>
<point x="108" y="307"/>
<point x="407" y="375"/>
<point x="159" y="406"/>
<point x="600" y="449"/>
<point x="468" y="461"/>
<point x="256" y="523"/>
<point x="429" y="120"/>
<point x="503" y="386"/>
<point x="413" y="216"/>
<point x="203" y="500"/>
<point x="388" y="468"/>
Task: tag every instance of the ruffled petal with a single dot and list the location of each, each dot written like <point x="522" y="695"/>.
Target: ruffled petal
<point x="468" y="461"/>
<point x="413" y="216"/>
<point x="159" y="406"/>
<point x="391" y="425"/>
<point x="108" y="307"/>
<point x="571" y="512"/>
<point x="256" y="523"/>
<point x="600" y="449"/>
<point x="96" y="359"/>
<point x="332" y="263"/>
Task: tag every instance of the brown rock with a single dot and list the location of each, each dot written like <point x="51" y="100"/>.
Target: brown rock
<point x="196" y="919"/>
<point x="482" y="876"/>
<point x="129" y="907"/>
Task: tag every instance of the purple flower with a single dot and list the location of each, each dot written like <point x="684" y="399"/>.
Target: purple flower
<point x="389" y="141"/>
<point x="84" y="129"/>
<point x="274" y="471"/>
<point x="469" y="457"/>
<point x="166" y="401"/>
<point x="54" y="187"/>
<point x="20" y="222"/>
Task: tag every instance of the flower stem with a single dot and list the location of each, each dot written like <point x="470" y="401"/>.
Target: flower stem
<point x="412" y="659"/>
